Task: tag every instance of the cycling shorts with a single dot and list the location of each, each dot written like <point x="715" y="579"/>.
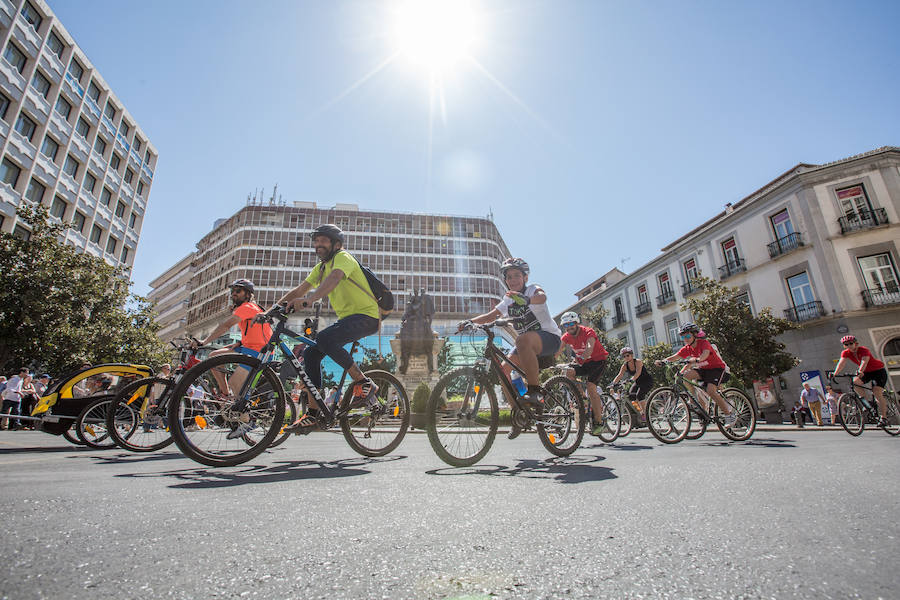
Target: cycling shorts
<point x="248" y="352"/>
<point x="878" y="378"/>
<point x="591" y="371"/>
<point x="713" y="376"/>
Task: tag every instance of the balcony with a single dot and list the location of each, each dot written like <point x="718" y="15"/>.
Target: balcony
<point x="863" y="219"/>
<point x="805" y="312"/>
<point x="788" y="243"/>
<point x="667" y="297"/>
<point x="732" y="268"/>
<point x="881" y="297"/>
<point x="643" y="308"/>
<point x="691" y="287"/>
<point x="618" y="320"/>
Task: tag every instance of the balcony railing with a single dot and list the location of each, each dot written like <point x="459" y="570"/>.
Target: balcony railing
<point x="881" y="297"/>
<point x="618" y="320"/>
<point x="731" y="268"/>
<point x="643" y="308"/>
<point x="863" y="219"/>
<point x="667" y="297"/>
<point x="805" y="312"/>
<point x="689" y="288"/>
<point x="788" y="243"/>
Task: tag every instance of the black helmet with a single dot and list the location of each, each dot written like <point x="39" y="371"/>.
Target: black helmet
<point x="332" y="232"/>
<point x="242" y="283"/>
<point x="689" y="328"/>
<point x="514" y="263"/>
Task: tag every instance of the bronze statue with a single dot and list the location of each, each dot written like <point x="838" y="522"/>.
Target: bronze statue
<point x="416" y="336"/>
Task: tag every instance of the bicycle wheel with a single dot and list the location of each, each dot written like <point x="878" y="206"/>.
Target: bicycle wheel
<point x="291" y="413"/>
<point x="744" y="415"/>
<point x="377" y="430"/>
<point x="625" y="417"/>
<point x="71" y="437"/>
<point x="218" y="426"/>
<point x="462" y="417"/>
<point x="893" y="417"/>
<point x="668" y="416"/>
<point x="698" y="424"/>
<point x="853" y="418"/>
<point x="147" y="398"/>
<point x="91" y="428"/>
<point x="560" y="427"/>
<point x="610" y="419"/>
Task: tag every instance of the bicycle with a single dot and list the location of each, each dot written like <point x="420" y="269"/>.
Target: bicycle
<point x="611" y="417"/>
<point x="463" y="414"/>
<point x="672" y="409"/>
<point x="856" y="411"/>
<point x="204" y="421"/>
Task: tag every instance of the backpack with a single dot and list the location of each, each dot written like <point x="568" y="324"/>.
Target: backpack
<point x="382" y="296"/>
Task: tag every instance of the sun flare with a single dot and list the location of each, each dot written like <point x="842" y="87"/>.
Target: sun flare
<point x="436" y="34"/>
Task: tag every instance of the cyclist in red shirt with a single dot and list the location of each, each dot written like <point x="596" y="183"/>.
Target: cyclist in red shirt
<point x="870" y="369"/>
<point x="708" y="367"/>
<point x="591" y="357"/>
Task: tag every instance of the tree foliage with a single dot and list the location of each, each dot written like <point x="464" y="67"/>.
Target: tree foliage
<point x="650" y="354"/>
<point x="59" y="306"/>
<point x="747" y="343"/>
<point x="374" y="360"/>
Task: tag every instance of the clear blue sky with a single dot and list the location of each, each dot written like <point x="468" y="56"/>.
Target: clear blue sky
<point x="593" y="130"/>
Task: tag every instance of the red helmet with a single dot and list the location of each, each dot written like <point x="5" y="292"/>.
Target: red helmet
<point x="848" y="339"/>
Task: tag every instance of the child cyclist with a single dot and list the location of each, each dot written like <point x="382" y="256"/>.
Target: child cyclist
<point x="705" y="365"/>
<point x="537" y="332"/>
<point x="591" y="358"/>
<point x="870" y="369"/>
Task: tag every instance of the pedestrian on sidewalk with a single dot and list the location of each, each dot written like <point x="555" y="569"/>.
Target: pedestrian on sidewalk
<point x="797" y="415"/>
<point x="831" y="397"/>
<point x="813" y="398"/>
<point x="12" y="396"/>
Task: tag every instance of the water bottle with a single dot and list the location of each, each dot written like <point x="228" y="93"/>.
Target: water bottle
<point x="518" y="383"/>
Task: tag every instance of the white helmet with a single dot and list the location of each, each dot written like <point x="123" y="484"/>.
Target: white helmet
<point x="569" y="317"/>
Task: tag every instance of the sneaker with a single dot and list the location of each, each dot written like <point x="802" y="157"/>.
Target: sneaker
<point x="364" y="392"/>
<point x="532" y="399"/>
<point x="240" y="431"/>
<point x="514" y="432"/>
<point x="305" y="425"/>
<point x="598" y="429"/>
<point x="729" y="419"/>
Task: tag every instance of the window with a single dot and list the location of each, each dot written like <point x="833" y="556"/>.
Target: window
<point x="21" y="233"/>
<point x="71" y="166"/>
<point x="26" y="127"/>
<point x="58" y="208"/>
<point x="729" y="251"/>
<point x="691" y="272"/>
<point x="744" y="298"/>
<point x="665" y="286"/>
<point x="63" y="108"/>
<point x="100" y="146"/>
<point x="82" y="127"/>
<point x="643" y="296"/>
<point x="124" y="256"/>
<point x="76" y="70"/>
<point x="120" y="209"/>
<point x="109" y="111"/>
<point x="124" y="128"/>
<point x="56" y="45"/>
<point x="140" y="189"/>
<point x="35" y="191"/>
<point x="781" y="225"/>
<point x="132" y="220"/>
<point x="129" y="175"/>
<point x="111" y="245"/>
<point x="114" y="161"/>
<point x="94" y="92"/>
<point x="650" y="336"/>
<point x="9" y="172"/>
<point x="672" y="332"/>
<point x="854" y="202"/>
<point x="147" y="160"/>
<point x="96" y="232"/>
<point x="619" y="316"/>
<point x="105" y="196"/>
<point x="879" y="273"/>
<point x="90" y="182"/>
<point x="4" y="106"/>
<point x="15" y="57"/>
<point x="78" y="221"/>
<point x="137" y="144"/>
<point x="40" y="84"/>
<point x="31" y="15"/>
<point x="801" y="290"/>
<point x="50" y="147"/>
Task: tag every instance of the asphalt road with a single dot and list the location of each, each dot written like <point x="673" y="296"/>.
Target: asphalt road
<point x="792" y="514"/>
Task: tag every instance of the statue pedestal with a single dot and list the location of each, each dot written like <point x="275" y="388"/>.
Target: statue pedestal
<point x="417" y="371"/>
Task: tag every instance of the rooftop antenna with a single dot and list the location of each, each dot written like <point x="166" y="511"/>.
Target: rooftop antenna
<point x="622" y="262"/>
<point x="490" y="214"/>
<point x="274" y="194"/>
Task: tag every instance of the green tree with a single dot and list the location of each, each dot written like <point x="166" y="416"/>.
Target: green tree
<point x="649" y="354"/>
<point x="57" y="303"/>
<point x="374" y="360"/>
<point x="444" y="358"/>
<point x="747" y="343"/>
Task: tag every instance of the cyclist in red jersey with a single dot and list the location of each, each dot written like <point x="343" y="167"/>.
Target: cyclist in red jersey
<point x="591" y="358"/>
<point x="870" y="369"/>
<point x="708" y="366"/>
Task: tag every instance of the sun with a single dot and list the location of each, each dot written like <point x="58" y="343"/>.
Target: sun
<point x="436" y="34"/>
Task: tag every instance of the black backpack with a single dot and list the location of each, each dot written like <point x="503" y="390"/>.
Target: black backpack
<point x="383" y="296"/>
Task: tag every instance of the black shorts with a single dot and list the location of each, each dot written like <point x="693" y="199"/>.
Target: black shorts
<point x="713" y="376"/>
<point x="879" y="377"/>
<point x="591" y="371"/>
<point x="640" y="388"/>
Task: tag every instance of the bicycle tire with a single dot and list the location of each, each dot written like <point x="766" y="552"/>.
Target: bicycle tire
<point x="698" y="424"/>
<point x="853" y="418"/>
<point x="91" y="428"/>
<point x="626" y="418"/>
<point x="893" y="416"/>
<point x="668" y="415"/>
<point x="152" y="432"/>
<point x="455" y="424"/>
<point x="564" y="408"/>
<point x="290" y="416"/>
<point x="611" y="418"/>
<point x="386" y="423"/>
<point x="745" y="419"/>
<point x="264" y="412"/>
<point x="71" y="437"/>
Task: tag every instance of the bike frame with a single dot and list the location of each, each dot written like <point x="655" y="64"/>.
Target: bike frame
<point x="691" y="388"/>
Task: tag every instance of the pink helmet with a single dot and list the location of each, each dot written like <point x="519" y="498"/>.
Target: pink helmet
<point x="848" y="339"/>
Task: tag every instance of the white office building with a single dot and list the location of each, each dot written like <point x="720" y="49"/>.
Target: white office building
<point x="66" y="140"/>
<point x="818" y="244"/>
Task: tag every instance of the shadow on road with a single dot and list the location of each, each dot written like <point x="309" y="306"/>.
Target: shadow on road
<point x="619" y="446"/>
<point x="137" y="457"/>
<point x="43" y="449"/>
<point x="281" y="471"/>
<point x="573" y="469"/>
<point x="757" y="442"/>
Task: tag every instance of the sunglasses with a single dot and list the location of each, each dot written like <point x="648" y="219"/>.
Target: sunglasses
<point x="849" y="343"/>
<point x="567" y="325"/>
<point x="685" y="336"/>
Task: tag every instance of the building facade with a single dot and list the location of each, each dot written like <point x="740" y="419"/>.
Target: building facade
<point x="170" y="294"/>
<point x="819" y="245"/>
<point x="455" y="259"/>
<point x="67" y="142"/>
